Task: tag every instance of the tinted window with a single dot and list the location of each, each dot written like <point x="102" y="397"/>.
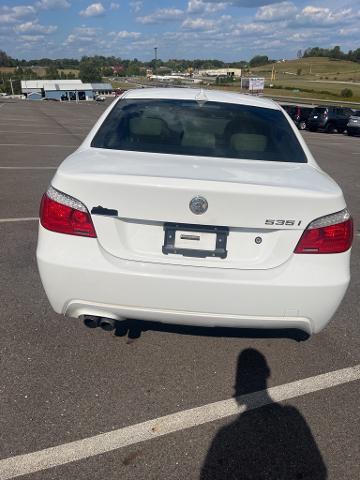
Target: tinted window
<point x="356" y="113"/>
<point x="187" y="127"/>
<point x="318" y="110"/>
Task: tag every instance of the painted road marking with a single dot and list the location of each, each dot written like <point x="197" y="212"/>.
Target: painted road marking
<point x="74" y="451"/>
<point x="24" y="219"/>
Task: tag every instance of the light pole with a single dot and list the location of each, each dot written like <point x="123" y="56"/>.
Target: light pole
<point x="155" y="51"/>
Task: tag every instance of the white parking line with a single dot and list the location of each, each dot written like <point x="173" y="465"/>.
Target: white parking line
<point x="24" y="219"/>
<point x="74" y="451"/>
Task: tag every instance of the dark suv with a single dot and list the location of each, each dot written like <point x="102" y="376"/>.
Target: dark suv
<point x="353" y="127"/>
<point x="329" y="119"/>
<point x="298" y="114"/>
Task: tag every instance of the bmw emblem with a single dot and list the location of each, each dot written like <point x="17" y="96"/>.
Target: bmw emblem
<point x="198" y="205"/>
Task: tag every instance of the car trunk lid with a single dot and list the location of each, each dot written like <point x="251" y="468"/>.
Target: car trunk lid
<point x="264" y="205"/>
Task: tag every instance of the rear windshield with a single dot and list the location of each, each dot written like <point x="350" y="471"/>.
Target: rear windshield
<point x="319" y="110"/>
<point x="188" y="127"/>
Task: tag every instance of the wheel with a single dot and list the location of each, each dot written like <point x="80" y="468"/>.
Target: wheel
<point x="350" y="133"/>
<point x="329" y="128"/>
<point x="302" y="125"/>
<point x="341" y="130"/>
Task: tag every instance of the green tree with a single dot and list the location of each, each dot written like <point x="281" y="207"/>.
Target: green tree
<point x="90" y="71"/>
<point x="259" y="60"/>
<point x="52" y="73"/>
<point x="5" y="60"/>
<point x="346" y="92"/>
<point x="107" y="72"/>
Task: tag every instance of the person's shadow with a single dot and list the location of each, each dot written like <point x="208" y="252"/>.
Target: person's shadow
<point x="271" y="442"/>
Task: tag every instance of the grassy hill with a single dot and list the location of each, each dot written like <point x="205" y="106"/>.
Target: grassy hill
<point x="312" y="77"/>
<point x="312" y="68"/>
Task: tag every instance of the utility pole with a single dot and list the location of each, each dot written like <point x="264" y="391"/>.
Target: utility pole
<point x="273" y="74"/>
<point x="12" y="88"/>
<point x="155" y="51"/>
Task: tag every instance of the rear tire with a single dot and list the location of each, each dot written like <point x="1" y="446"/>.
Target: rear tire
<point x="302" y="126"/>
<point x="350" y="133"/>
<point x="341" y="130"/>
<point x="329" y="128"/>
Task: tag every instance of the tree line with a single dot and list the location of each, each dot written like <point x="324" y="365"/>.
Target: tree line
<point x="103" y="62"/>
<point x="335" y="53"/>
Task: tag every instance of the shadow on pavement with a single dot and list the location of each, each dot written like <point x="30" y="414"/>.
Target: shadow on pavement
<point x="134" y="329"/>
<point x="271" y="442"/>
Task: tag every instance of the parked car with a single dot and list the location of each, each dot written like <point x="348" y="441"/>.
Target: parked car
<point x="353" y="126"/>
<point x="329" y="119"/>
<point x="298" y="114"/>
<point x="100" y="98"/>
<point x="194" y="207"/>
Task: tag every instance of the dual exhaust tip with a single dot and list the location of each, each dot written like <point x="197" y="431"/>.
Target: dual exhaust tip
<point x="92" y="321"/>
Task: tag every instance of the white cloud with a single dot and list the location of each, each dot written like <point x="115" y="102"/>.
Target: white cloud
<point x="114" y="6"/>
<point x="14" y="14"/>
<point x="321" y="17"/>
<point x="198" y="24"/>
<point x="245" y="3"/>
<point x="201" y="6"/>
<point x="136" y="6"/>
<point x="277" y="11"/>
<point x="34" y="27"/>
<point x="93" y="10"/>
<point x="125" y="34"/>
<point x="82" y="35"/>
<point x="32" y="38"/>
<point x="52" y="4"/>
<point x="161" y="15"/>
<point x="349" y="31"/>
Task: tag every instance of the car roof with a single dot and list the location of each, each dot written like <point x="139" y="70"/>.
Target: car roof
<point x="198" y="94"/>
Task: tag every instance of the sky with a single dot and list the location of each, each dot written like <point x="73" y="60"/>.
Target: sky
<point x="229" y="30"/>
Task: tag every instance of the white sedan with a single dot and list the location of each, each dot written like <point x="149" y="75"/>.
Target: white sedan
<point x="195" y="207"/>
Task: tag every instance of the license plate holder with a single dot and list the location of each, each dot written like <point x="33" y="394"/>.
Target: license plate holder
<point x="191" y="232"/>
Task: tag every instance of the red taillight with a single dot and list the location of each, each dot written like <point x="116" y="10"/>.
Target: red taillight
<point x="65" y="214"/>
<point x="324" y="236"/>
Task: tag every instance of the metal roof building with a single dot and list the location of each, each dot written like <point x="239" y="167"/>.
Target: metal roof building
<point x="63" y="90"/>
<point x="102" y="88"/>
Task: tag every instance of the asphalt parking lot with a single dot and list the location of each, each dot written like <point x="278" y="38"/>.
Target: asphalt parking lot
<point x="61" y="382"/>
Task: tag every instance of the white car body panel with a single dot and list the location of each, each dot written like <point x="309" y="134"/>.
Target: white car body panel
<point x="123" y="272"/>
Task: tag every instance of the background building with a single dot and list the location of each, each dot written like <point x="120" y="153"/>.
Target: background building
<point x="102" y="88"/>
<point x="63" y="90"/>
<point x="221" y="72"/>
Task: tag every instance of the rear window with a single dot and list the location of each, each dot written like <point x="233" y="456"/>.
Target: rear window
<point x="188" y="127"/>
<point x="318" y="110"/>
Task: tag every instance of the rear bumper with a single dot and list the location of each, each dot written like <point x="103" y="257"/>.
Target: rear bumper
<point x="80" y="278"/>
<point x="315" y="124"/>
<point x="354" y="130"/>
